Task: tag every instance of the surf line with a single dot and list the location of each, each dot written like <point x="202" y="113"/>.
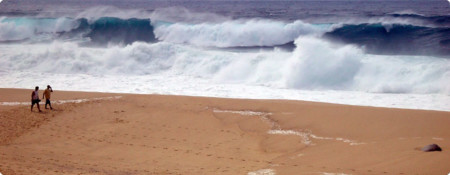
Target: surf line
<point x="306" y="135"/>
<point x="62" y="101"/>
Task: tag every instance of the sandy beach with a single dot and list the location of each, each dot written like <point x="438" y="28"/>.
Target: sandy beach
<point x="106" y="133"/>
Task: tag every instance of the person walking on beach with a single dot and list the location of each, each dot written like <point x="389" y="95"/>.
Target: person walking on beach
<point x="47" y="96"/>
<point x="35" y="98"/>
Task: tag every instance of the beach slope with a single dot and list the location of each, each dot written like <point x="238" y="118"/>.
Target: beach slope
<point x="105" y="133"/>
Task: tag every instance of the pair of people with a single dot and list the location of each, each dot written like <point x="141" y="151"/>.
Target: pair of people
<point x="35" y="97"/>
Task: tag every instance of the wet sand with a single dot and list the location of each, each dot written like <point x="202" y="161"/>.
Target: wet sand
<point x="105" y="133"/>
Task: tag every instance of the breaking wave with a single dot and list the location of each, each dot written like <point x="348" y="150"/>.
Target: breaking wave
<point x="315" y="64"/>
<point x="375" y="38"/>
<point x="238" y="33"/>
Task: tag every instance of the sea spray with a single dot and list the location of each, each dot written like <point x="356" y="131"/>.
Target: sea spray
<point x="317" y="64"/>
<point x="314" y="65"/>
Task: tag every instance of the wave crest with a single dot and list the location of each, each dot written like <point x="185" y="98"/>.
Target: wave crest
<point x="236" y="33"/>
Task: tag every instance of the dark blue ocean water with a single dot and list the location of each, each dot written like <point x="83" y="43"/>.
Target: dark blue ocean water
<point x="284" y="10"/>
<point x="381" y="27"/>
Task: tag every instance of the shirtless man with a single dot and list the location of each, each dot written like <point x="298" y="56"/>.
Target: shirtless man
<point x="46" y="94"/>
<point x="35" y="98"/>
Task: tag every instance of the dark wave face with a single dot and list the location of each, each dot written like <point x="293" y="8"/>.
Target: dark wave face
<point x="115" y="30"/>
<point x="443" y="20"/>
<point x="395" y="39"/>
<point x="101" y="31"/>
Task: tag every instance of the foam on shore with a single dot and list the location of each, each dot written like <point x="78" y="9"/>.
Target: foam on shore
<point x="62" y="101"/>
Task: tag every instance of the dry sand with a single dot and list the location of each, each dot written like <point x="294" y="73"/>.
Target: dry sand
<point x="155" y="134"/>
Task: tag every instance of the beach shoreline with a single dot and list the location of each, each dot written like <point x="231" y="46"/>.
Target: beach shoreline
<point x="116" y="133"/>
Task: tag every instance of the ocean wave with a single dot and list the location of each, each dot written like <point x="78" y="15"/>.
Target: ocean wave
<point x="376" y="38"/>
<point x="103" y="30"/>
<point x="315" y="64"/>
<point x="395" y="38"/>
<point x="115" y="30"/>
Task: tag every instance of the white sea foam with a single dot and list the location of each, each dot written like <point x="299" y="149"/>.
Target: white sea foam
<point x="325" y="173"/>
<point x="263" y="172"/>
<point x="250" y="113"/>
<point x="163" y="84"/>
<point x="62" y="101"/>
<point x="316" y="71"/>
<point x="307" y="135"/>
<point x="303" y="135"/>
